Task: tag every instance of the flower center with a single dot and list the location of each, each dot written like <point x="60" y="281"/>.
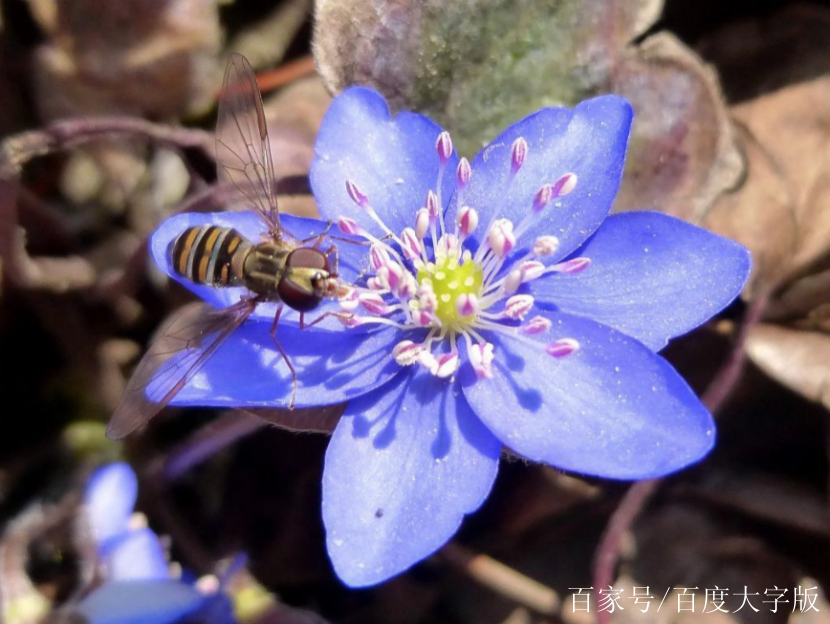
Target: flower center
<point x="430" y="280"/>
<point x="450" y="279"/>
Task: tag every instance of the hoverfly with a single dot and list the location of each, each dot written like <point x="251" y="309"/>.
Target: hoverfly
<point x="279" y="269"/>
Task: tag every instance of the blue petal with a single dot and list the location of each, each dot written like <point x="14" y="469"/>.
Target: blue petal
<point x="403" y="467"/>
<point x="332" y="367"/>
<point x="352" y="257"/>
<point x="140" y="602"/>
<point x="109" y="498"/>
<point x="589" y="140"/>
<point x="612" y="409"/>
<point x="651" y="276"/>
<point x="393" y="161"/>
<point x="137" y="555"/>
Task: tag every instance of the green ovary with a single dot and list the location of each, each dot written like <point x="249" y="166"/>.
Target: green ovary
<point x="450" y="279"/>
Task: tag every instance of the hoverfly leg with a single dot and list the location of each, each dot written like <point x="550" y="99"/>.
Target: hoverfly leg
<point x="342" y="316"/>
<point x="318" y="238"/>
<point x="284" y="357"/>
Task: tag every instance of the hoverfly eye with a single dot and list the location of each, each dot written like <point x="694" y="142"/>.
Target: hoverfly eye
<point x="295" y="296"/>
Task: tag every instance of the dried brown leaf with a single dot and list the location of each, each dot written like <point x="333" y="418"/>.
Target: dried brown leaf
<point x="782" y="210"/>
<point x="798" y="359"/>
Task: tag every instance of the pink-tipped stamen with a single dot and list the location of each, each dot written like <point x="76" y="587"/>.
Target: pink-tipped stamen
<point x="536" y="325"/>
<point x="518" y="154"/>
<point x="443" y="145"/>
<point x="564" y="185"/>
<point x="562" y="347"/>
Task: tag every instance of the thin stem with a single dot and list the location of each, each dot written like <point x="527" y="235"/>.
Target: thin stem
<point x="18" y="149"/>
<point x="638" y="495"/>
<point x="502" y="579"/>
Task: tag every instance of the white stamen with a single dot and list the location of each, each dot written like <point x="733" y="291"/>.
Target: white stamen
<point x="467" y="221"/>
<point x="428" y="361"/>
<point x="447" y="365"/>
<point x="466" y="304"/>
<point x="501" y="238"/>
<point x="545" y="246"/>
<point x="518" y="306"/>
<point x="349" y="301"/>
<point x="512" y="282"/>
<point x="406" y="352"/>
<point x="481" y="358"/>
<point x="421" y="223"/>
<point x="532" y="270"/>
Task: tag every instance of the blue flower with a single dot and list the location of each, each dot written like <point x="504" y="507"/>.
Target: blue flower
<point x="138" y="588"/>
<point x="495" y="303"/>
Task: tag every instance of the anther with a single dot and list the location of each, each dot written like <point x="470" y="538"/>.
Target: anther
<point x="562" y="348"/>
<point x="406" y="352"/>
<point x="356" y="195"/>
<point x="564" y="185"/>
<point x="349" y="321"/>
<point x="501" y="238"/>
<point x="411" y="244"/>
<point x="518" y="153"/>
<point x="432" y="205"/>
<point x="542" y="197"/>
<point x="512" y="282"/>
<point x="349" y="226"/>
<point x="481" y="358"/>
<point x="444" y="147"/>
<point x="428" y="361"/>
<point x="463" y="173"/>
<point x="536" y="325"/>
<point x="572" y="266"/>
<point x="427" y="299"/>
<point x="447" y="365"/>
<point x="422" y="220"/>
<point x="373" y="303"/>
<point x="545" y="246"/>
<point x="466" y="304"/>
<point x="349" y="301"/>
<point x="532" y="270"/>
<point x="467" y="221"/>
<point x="518" y="306"/>
<point x="378" y="256"/>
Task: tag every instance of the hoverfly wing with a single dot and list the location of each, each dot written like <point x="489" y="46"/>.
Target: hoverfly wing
<point x="243" y="150"/>
<point x="304" y="420"/>
<point x="181" y="349"/>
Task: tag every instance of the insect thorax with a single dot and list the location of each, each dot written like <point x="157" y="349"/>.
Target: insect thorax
<point x="263" y="267"/>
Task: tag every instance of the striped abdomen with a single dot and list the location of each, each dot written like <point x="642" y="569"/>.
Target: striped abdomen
<point x="204" y="255"/>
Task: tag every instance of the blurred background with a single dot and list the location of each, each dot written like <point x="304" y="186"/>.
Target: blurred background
<point x="106" y="116"/>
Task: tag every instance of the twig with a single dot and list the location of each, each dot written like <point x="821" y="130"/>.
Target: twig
<point x="638" y="495"/>
<point x="276" y="78"/>
<point x="65" y="134"/>
<point x="502" y="579"/>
